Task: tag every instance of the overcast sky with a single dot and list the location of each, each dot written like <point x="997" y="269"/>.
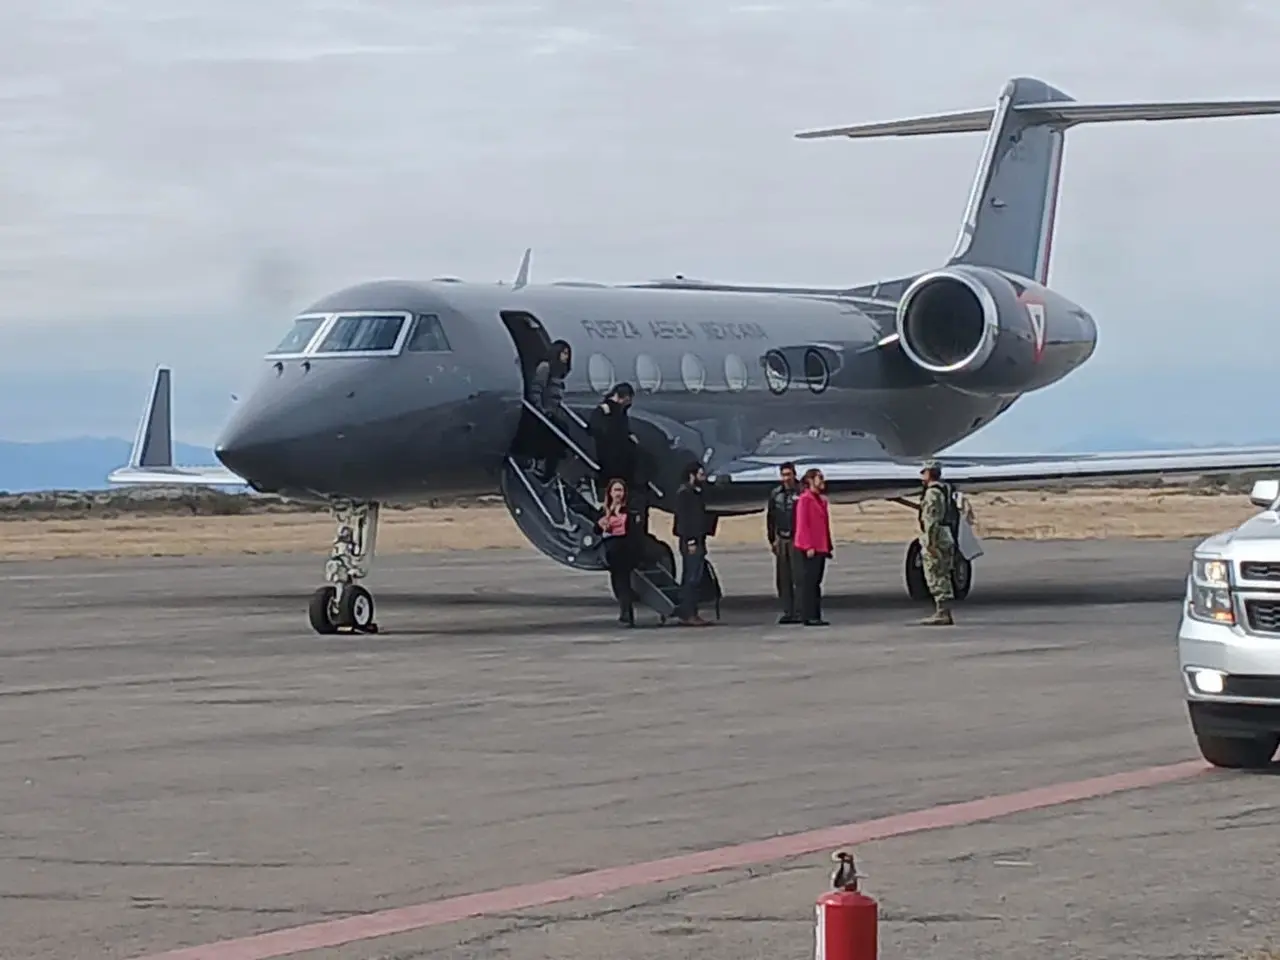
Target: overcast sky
<point x="181" y="174"/>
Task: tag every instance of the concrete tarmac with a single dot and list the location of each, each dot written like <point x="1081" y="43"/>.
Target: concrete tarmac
<point x="185" y="762"/>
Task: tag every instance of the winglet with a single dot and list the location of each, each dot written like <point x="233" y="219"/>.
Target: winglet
<point x="522" y="275"/>
<point x="153" y="444"/>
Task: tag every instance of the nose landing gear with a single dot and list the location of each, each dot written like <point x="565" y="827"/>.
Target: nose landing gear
<point x="343" y="605"/>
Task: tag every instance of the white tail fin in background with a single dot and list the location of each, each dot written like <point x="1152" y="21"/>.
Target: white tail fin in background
<point x="151" y="460"/>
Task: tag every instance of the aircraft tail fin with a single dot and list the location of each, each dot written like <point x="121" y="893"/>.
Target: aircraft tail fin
<point x="151" y="459"/>
<point x="153" y="443"/>
<point x="1008" y="222"/>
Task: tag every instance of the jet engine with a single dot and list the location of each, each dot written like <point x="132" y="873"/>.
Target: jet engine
<point x="988" y="333"/>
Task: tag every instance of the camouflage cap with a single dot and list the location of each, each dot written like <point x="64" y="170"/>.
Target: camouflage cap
<point x="931" y="466"/>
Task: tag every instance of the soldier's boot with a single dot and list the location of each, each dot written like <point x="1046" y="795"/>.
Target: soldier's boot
<point x="941" y="616"/>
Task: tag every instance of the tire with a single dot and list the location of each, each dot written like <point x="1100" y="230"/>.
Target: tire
<point x="961" y="578"/>
<point x="355" y="609"/>
<point x="1238" y="753"/>
<point x="322" y="611"/>
<point x="709" y="590"/>
<point x="917" y="588"/>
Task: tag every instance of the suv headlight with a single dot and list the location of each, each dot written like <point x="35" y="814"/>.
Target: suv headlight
<point x="1211" y="591"/>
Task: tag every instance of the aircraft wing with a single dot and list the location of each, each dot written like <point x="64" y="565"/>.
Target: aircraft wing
<point x="875" y="479"/>
<point x="151" y="461"/>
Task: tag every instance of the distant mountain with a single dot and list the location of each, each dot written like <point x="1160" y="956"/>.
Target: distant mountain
<point x="77" y="464"/>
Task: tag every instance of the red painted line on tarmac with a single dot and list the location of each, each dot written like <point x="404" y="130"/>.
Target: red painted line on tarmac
<point x="385" y="923"/>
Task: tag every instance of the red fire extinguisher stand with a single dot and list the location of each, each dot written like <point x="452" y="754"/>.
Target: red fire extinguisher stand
<point x="848" y="919"/>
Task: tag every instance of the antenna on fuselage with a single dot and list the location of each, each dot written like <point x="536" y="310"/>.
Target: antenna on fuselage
<point x="522" y="275"/>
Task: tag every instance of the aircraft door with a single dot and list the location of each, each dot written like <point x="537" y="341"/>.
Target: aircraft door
<point x="531" y="339"/>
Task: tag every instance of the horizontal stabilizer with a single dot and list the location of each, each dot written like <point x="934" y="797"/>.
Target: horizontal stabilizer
<point x="1061" y="114"/>
<point x="151" y="460"/>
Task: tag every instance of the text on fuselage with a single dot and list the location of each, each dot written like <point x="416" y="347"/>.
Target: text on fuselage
<point x="672" y="330"/>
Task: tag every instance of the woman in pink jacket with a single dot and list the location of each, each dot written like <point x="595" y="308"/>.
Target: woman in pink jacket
<point x="812" y="540"/>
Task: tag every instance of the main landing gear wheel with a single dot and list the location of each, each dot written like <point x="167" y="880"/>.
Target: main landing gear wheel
<point x="918" y="589"/>
<point x="961" y="577"/>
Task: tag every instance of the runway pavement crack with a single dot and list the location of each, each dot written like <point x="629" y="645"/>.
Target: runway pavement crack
<point x="158" y="903"/>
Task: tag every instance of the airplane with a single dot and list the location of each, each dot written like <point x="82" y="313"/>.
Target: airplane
<point x="397" y="391"/>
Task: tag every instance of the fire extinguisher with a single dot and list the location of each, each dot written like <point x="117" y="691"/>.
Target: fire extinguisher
<point x="848" y="919"/>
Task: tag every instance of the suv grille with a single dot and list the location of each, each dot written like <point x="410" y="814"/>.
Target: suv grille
<point x="1255" y="570"/>
<point x="1263" y="615"/>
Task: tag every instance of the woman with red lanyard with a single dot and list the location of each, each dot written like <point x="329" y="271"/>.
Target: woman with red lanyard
<point x="812" y="540"/>
<point x="620" y="527"/>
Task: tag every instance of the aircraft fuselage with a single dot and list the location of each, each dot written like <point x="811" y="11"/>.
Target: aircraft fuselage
<point x="719" y="374"/>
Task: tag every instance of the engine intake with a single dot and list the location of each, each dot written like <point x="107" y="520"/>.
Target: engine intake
<point x="948" y="323"/>
<point x="988" y="333"/>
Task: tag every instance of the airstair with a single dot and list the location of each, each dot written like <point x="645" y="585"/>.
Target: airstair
<point x="560" y="516"/>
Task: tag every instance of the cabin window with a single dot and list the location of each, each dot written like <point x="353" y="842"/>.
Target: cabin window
<point x="735" y="373"/>
<point x="600" y="373"/>
<point x="364" y="333"/>
<point x="648" y="373"/>
<point x="816" y="373"/>
<point x="427" y="336"/>
<point x="777" y="372"/>
<point x="299" y="335"/>
<point x="693" y="373"/>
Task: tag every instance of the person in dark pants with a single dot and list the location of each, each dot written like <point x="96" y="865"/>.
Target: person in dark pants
<point x="779" y="526"/>
<point x="610" y="428"/>
<point x="622" y="528"/>
<point x="691" y="528"/>
<point x="546" y="392"/>
<point x="812" y="540"/>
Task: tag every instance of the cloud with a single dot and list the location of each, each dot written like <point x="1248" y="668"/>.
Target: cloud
<point x="231" y="161"/>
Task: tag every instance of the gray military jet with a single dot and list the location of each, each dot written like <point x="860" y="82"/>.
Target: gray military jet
<point x="398" y="391"/>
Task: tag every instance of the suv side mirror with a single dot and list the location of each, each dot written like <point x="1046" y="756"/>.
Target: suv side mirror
<point x="1264" y="493"/>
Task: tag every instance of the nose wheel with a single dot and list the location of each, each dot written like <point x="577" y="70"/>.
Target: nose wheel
<point x="342" y="605"/>
<point x="346" y="609"/>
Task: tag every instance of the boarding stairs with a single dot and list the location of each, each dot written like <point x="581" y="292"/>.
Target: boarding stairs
<point x="560" y="517"/>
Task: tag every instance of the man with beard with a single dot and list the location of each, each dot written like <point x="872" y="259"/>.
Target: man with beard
<point x="691" y="526"/>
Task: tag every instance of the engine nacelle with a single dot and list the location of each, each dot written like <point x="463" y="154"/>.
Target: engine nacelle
<point x="989" y="333"/>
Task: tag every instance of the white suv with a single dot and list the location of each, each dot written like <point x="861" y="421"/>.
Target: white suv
<point x="1229" y="639"/>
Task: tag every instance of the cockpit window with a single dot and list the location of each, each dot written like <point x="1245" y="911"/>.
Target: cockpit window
<point x="427" y="336"/>
<point x="363" y="333"/>
<point x="296" y="340"/>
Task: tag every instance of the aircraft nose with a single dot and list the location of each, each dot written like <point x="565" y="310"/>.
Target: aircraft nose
<point x="251" y="446"/>
<point x="240" y="453"/>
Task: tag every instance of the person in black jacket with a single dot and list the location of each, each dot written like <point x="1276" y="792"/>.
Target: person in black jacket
<point x="691" y="527"/>
<point x="779" y="526"/>
<point x="610" y="428"/>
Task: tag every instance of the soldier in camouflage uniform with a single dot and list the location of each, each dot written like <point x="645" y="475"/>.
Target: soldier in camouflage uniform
<point x="938" y="546"/>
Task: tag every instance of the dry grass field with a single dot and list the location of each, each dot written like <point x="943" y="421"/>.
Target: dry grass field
<point x="1081" y="515"/>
